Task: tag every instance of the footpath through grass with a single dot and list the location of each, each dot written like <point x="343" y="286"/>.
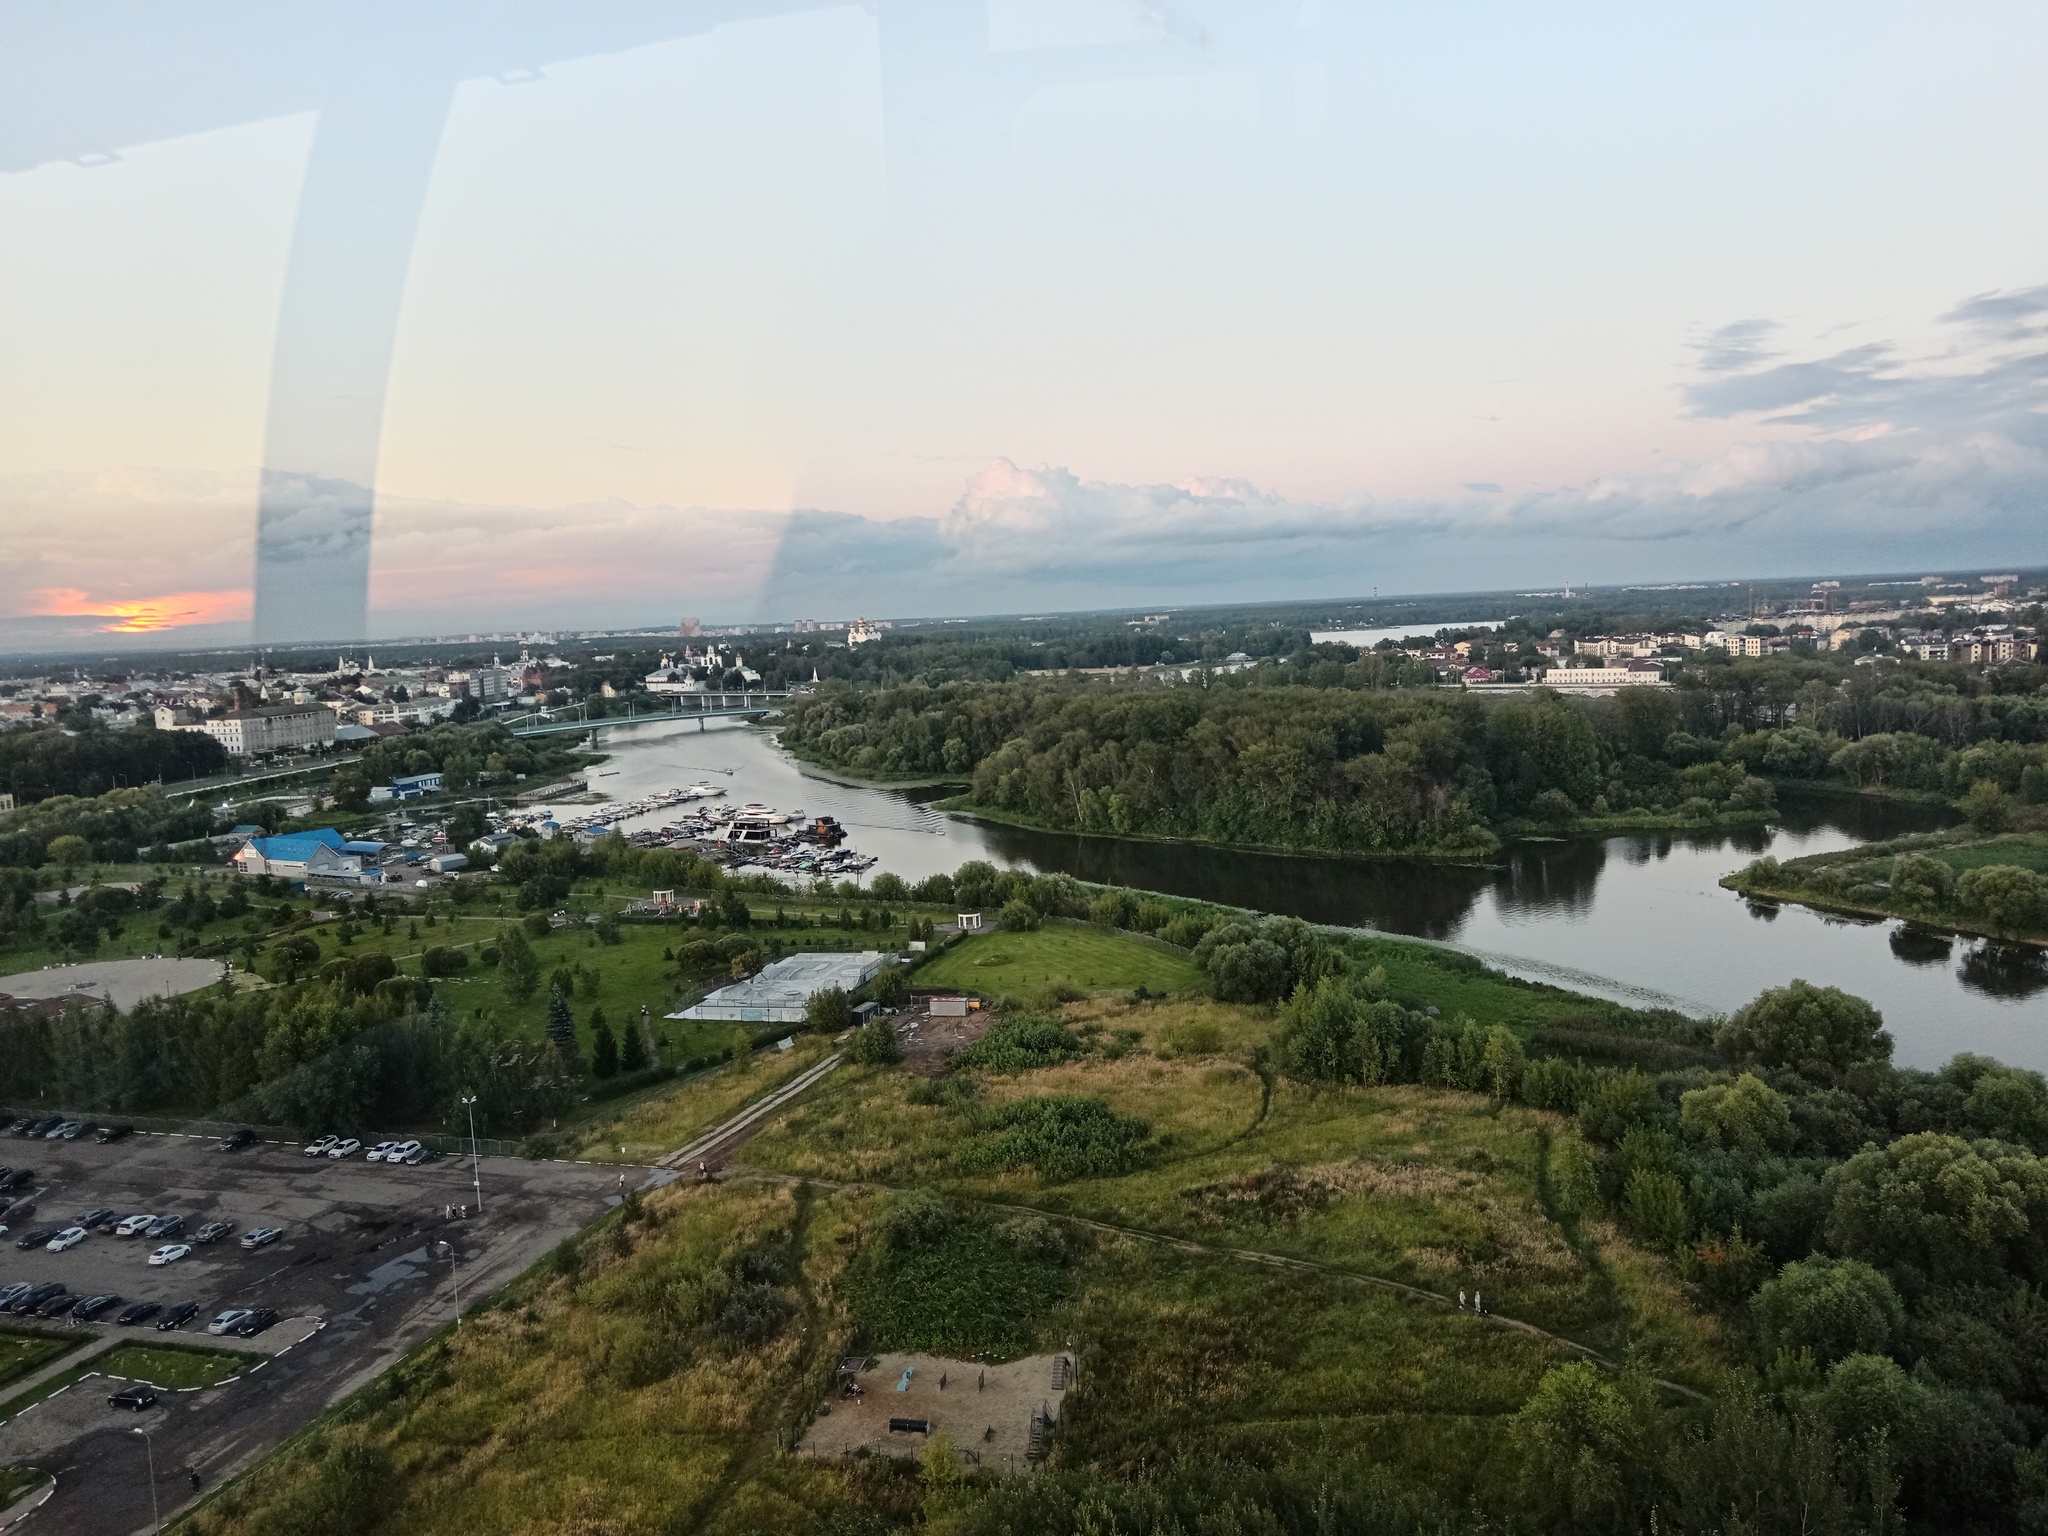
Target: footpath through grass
<point x="1021" y="965"/>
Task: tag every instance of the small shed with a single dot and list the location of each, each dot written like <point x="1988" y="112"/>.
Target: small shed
<point x="862" y="1012"/>
<point x="949" y="1008"/>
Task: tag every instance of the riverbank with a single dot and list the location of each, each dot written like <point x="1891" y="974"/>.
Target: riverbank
<point x="1513" y="834"/>
<point x="1864" y="882"/>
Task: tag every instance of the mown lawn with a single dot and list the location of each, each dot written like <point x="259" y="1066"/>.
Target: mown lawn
<point x="1021" y="965"/>
<point x="24" y="1351"/>
<point x="173" y="1367"/>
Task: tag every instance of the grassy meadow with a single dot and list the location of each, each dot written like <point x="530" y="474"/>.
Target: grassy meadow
<point x="1022" y="965"/>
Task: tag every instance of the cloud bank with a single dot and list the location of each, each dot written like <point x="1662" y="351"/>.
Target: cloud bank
<point x="1866" y="459"/>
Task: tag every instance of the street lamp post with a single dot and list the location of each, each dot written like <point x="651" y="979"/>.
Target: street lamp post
<point x="476" y="1169"/>
<point x="156" y="1514"/>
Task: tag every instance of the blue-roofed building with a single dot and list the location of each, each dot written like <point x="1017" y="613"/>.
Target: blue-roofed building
<point x="294" y="854"/>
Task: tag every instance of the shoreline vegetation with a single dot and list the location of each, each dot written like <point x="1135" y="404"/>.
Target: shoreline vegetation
<point x="1960" y="881"/>
<point x="1526" y="832"/>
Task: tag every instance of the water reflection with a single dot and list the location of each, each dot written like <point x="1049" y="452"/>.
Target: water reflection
<point x="2004" y="970"/>
<point x="1922" y="946"/>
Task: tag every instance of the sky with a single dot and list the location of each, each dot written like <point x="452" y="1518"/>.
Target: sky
<point x="762" y="311"/>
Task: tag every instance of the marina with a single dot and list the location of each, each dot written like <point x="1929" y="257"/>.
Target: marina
<point x="751" y="837"/>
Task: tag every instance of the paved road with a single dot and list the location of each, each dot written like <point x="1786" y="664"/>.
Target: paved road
<point x="127" y="982"/>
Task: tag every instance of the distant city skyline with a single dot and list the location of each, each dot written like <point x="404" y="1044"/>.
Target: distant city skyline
<point x="753" y="310"/>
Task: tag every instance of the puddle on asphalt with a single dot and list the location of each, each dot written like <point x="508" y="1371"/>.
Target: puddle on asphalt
<point x="407" y="1266"/>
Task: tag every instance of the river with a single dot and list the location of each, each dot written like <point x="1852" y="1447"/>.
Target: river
<point x="1638" y="917"/>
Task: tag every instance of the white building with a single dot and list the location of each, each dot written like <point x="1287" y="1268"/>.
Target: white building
<point x="259" y="732"/>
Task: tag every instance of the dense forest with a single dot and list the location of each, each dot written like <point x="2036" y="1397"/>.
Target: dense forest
<point x="1327" y="750"/>
<point x="39" y="761"/>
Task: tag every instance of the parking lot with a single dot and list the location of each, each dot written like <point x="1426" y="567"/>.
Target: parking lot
<point x="359" y="1274"/>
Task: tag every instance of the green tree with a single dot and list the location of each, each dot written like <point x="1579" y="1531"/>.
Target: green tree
<point x="350" y="788"/>
<point x="632" y="1047"/>
<point x="875" y="1044"/>
<point x="1656" y="1206"/>
<point x="562" y="1029"/>
<point x="2005" y="896"/>
<point x="828" y="1011"/>
<point x="68" y="852"/>
<point x="1987" y="807"/>
<point x="1502" y="1062"/>
<point x="1018" y="917"/>
<point x="1818" y="1032"/>
<point x="1933" y="1209"/>
<point x="1927" y="882"/>
<point x="1746" y="1116"/>
<point x="1573" y="1176"/>
<point x="604" y="1046"/>
<point x="1616" y="1102"/>
<point x="1833" y="1307"/>
<point x="891" y="986"/>
<point x="518" y="963"/>
<point x="1581" y="1443"/>
<point x="1319" y="1033"/>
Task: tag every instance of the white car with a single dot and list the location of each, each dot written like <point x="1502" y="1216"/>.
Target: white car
<point x="70" y="1237"/>
<point x="135" y="1225"/>
<point x="228" y="1319"/>
<point x="320" y="1148"/>
<point x="346" y="1148"/>
<point x="261" y="1237"/>
<point x="403" y="1152"/>
<point x="170" y="1253"/>
<point x="379" y="1152"/>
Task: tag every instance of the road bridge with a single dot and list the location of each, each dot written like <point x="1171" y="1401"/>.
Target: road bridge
<point x="751" y="704"/>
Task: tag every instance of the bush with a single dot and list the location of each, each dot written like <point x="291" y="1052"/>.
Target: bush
<point x="1063" y="1137"/>
<point x="754" y="1315"/>
<point x="1018" y="917"/>
<point x="442" y="960"/>
<point x="1917" y="878"/>
<point x="875" y="1044"/>
<point x="1019" y="1042"/>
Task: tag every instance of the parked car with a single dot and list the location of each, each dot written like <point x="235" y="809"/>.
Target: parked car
<point x="38" y="1238"/>
<point x="108" y="1133"/>
<point x="213" y="1232"/>
<point x="138" y="1312"/>
<point x="35" y="1296"/>
<point x="177" y="1316"/>
<point x="234" y="1141"/>
<point x="10" y="1294"/>
<point x="14" y="1178"/>
<point x="93" y="1308"/>
<point x="228" y="1320"/>
<point x="421" y="1154"/>
<point x="107" y="1223"/>
<point x="254" y="1322"/>
<point x="134" y="1226"/>
<point x="70" y="1237"/>
<point x="39" y="1128"/>
<point x="345" y="1148"/>
<point x="261" y="1237"/>
<point x="170" y="1253"/>
<point x="318" y="1147"/>
<point x="404" y="1152"/>
<point x="57" y="1305"/>
<point x="92" y="1218"/>
<point x="377" y="1153"/>
<point x="64" y="1130"/>
<point x="135" y="1398"/>
<point x="165" y="1226"/>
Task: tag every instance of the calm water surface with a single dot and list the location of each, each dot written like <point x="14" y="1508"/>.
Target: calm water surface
<point x="1639" y="917"/>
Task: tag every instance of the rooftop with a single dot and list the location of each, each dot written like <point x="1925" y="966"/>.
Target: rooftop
<point x="778" y="994"/>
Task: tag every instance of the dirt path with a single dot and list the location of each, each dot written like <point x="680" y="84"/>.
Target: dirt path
<point x="1271" y="1261"/>
<point x="747" y="1118"/>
